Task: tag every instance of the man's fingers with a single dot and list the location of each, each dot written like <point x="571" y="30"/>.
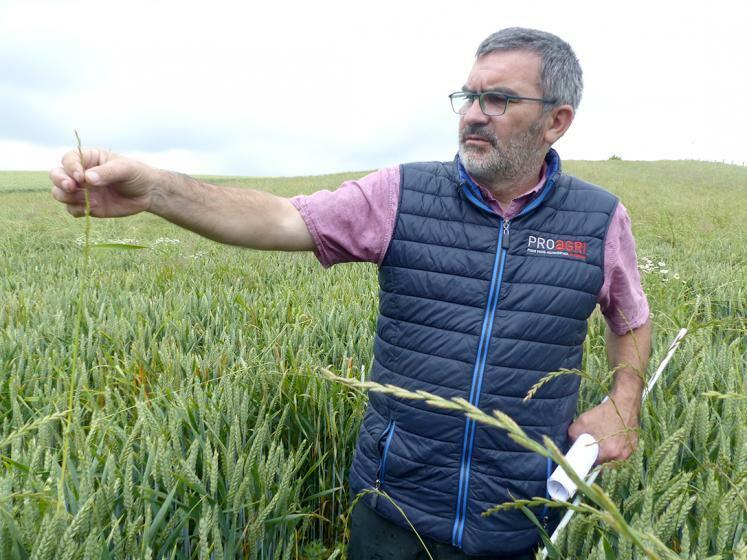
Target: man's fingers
<point x="68" y="197"/>
<point x="110" y="173"/>
<point x="76" y="201"/>
<point x="574" y="430"/>
<point x="62" y="180"/>
<point x="617" y="448"/>
<point x="73" y="166"/>
<point x="98" y="168"/>
<point x="77" y="210"/>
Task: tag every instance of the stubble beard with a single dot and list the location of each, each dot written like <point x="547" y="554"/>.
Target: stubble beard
<point x="501" y="164"/>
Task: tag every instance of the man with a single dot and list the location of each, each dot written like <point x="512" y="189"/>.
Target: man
<point x="489" y="268"/>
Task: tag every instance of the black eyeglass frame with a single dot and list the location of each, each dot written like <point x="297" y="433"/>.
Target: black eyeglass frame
<point x="471" y="96"/>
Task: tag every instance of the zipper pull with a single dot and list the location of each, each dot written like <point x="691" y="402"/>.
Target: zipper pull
<point x="377" y="487"/>
<point x="504" y="243"/>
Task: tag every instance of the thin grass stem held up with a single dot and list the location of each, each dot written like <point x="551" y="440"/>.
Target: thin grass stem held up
<point x="82" y="285"/>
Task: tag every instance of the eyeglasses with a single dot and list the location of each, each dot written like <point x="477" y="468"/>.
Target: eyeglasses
<point x="492" y="103"/>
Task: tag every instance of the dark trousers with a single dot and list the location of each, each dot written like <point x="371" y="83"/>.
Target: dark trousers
<point x="374" y="538"/>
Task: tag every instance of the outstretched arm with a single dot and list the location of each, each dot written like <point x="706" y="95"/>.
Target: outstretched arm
<point x="614" y="422"/>
<point x="120" y="186"/>
<point x="237" y="216"/>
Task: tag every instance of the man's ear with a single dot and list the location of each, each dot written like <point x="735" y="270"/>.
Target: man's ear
<point x="559" y="119"/>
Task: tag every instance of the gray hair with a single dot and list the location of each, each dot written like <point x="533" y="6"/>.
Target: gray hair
<point x="560" y="73"/>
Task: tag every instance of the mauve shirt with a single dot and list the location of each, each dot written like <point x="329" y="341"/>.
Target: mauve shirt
<point x="355" y="223"/>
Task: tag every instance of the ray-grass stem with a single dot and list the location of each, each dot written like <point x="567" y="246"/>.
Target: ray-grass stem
<point x="82" y="285"/>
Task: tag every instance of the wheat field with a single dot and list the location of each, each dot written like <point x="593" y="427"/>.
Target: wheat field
<point x="201" y="426"/>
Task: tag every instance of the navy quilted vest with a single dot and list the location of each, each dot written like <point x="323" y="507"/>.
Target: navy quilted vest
<point x="474" y="307"/>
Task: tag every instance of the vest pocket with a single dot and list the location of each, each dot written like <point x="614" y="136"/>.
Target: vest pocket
<point x="384" y="442"/>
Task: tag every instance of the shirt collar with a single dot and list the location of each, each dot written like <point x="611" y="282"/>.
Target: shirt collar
<point x="550" y="165"/>
<point x="523" y="197"/>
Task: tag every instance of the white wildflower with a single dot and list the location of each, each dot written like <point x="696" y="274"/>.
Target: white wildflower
<point x="125" y="241"/>
<point x="166" y="240"/>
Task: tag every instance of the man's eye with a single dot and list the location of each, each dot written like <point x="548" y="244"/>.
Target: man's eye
<point x="494" y="102"/>
<point x="495" y="98"/>
<point x="465" y="100"/>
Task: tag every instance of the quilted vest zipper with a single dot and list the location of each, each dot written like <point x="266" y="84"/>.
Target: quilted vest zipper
<point x="477" y="375"/>
<point x="496" y="279"/>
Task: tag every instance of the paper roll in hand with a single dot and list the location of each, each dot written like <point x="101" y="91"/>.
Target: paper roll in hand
<point x="581" y="457"/>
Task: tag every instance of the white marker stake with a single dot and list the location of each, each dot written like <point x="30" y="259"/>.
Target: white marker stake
<point x="595" y="473"/>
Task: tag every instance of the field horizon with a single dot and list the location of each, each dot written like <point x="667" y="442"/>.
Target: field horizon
<point x="42" y="173"/>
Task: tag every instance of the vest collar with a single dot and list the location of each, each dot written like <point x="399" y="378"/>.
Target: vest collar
<point x="474" y="195"/>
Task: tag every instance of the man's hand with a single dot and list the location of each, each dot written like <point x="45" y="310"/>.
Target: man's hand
<point x="614" y="423"/>
<point x="614" y="428"/>
<point x="117" y="186"/>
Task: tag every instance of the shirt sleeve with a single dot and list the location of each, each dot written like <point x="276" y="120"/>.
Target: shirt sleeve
<point x="621" y="299"/>
<point x="354" y="223"/>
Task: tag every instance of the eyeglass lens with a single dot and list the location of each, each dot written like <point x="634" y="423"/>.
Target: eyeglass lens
<point x="492" y="103"/>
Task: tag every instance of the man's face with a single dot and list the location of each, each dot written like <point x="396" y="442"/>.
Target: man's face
<point x="512" y="145"/>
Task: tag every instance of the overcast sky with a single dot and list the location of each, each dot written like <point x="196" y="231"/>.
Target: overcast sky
<point x="300" y="88"/>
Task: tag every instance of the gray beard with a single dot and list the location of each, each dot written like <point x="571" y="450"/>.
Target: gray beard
<point x="521" y="157"/>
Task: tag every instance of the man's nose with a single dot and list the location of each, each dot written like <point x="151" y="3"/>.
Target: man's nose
<point x="474" y="114"/>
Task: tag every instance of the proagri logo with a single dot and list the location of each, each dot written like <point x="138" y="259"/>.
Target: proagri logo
<point x="556" y="247"/>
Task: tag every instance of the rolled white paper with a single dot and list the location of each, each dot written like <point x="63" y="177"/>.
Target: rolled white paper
<point x="581" y="457"/>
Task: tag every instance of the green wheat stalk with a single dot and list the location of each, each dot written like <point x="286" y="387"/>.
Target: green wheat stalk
<point x="76" y="337"/>
<point x="607" y="512"/>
